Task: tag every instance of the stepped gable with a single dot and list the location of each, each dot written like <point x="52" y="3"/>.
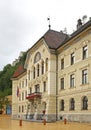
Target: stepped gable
<point x="20" y="70"/>
<point x="54" y="39"/>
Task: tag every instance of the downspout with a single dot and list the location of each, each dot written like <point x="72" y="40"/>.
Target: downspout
<point x="56" y="86"/>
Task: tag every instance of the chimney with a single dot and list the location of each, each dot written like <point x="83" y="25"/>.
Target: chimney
<point x="79" y="23"/>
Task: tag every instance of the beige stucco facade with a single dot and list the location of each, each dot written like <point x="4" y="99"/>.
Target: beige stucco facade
<point x="79" y="90"/>
<point x="33" y="108"/>
<point x="48" y="77"/>
<point x="19" y="98"/>
<point x="44" y="77"/>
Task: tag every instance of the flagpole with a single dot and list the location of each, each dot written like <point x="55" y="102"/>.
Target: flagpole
<point x="49" y="23"/>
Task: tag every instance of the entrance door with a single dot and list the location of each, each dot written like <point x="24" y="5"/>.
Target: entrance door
<point x="8" y="110"/>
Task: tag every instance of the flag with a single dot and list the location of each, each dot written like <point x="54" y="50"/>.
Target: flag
<point x="17" y="93"/>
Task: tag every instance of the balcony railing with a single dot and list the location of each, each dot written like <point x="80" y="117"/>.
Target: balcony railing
<point x="34" y="95"/>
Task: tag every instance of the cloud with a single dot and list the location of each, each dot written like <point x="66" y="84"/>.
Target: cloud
<point x="23" y="22"/>
<point x="14" y="28"/>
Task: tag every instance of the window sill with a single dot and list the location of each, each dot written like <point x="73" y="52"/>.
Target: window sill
<point x="61" y="110"/>
<point x="71" y="110"/>
<point x="84" y="109"/>
<point x="61" y="89"/>
<point x="72" y="87"/>
<point x="84" y="84"/>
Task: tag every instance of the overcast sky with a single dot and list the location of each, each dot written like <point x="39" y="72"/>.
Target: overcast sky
<point x="23" y="22"/>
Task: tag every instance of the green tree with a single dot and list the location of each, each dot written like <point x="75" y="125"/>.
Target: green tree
<point x="6" y="75"/>
<point x="3" y="103"/>
<point x="5" y="78"/>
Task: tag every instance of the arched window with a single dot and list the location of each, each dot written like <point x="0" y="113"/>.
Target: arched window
<point x="62" y="105"/>
<point x="34" y="72"/>
<point x="42" y="67"/>
<point x="46" y="64"/>
<point x="38" y="70"/>
<point x="72" y="104"/>
<point x="85" y="103"/>
<point x="29" y="74"/>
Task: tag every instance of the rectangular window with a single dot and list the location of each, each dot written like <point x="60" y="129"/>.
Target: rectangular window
<point x="22" y="84"/>
<point x="22" y="108"/>
<point x="26" y="83"/>
<point x="30" y="90"/>
<point x="29" y="74"/>
<point x="72" y="58"/>
<point x="19" y="109"/>
<point x="22" y="96"/>
<point x="62" y="83"/>
<point x="44" y="86"/>
<point x="72" y="80"/>
<point x="62" y="105"/>
<point x="85" y="51"/>
<point x="19" y="85"/>
<point x="25" y="94"/>
<point x="84" y="76"/>
<point x="62" y="63"/>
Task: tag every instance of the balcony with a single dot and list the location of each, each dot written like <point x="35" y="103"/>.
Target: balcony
<point x="33" y="95"/>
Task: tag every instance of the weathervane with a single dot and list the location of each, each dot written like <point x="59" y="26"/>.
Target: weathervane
<point x="49" y="23"/>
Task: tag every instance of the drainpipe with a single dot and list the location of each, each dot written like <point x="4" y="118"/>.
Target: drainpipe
<point x="56" y="86"/>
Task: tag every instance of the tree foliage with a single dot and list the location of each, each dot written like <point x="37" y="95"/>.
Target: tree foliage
<point x="4" y="101"/>
<point x="6" y="74"/>
<point x="5" y="79"/>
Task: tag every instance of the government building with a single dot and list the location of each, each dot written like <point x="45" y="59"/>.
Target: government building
<point x="55" y="80"/>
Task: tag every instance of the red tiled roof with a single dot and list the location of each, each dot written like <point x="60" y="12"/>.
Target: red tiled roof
<point x="18" y="71"/>
<point x="54" y="39"/>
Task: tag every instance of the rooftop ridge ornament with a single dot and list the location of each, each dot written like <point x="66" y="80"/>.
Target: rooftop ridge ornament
<point x="49" y="23"/>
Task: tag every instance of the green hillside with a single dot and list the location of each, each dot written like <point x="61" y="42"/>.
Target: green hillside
<point x="6" y="74"/>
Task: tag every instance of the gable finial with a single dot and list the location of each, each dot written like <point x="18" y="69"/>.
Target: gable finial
<point x="49" y="23"/>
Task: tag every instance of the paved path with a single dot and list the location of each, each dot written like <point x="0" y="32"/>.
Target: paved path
<point x="6" y="123"/>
